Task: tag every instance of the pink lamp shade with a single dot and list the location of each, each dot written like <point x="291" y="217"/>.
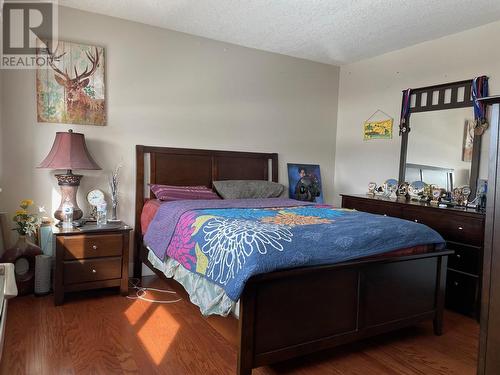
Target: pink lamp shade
<point x="69" y="151"/>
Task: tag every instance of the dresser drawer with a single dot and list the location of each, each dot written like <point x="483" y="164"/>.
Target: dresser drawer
<point x="461" y="292"/>
<point x="92" y="246"/>
<point x="372" y="206"/>
<point x="452" y="226"/>
<point x="80" y="271"/>
<point x="466" y="258"/>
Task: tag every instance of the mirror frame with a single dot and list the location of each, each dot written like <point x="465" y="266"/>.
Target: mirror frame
<point x="419" y="106"/>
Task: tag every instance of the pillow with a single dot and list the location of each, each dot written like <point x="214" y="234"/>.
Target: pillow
<point x="175" y="193"/>
<point x="244" y="189"/>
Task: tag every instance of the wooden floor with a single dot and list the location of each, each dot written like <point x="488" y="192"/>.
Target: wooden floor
<point x="104" y="333"/>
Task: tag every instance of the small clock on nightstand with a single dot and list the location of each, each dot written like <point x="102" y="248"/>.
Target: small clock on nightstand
<point x="94" y="197"/>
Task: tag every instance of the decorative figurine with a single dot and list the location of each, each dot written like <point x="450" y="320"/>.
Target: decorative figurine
<point x="372" y="186"/>
<point x="460" y="195"/>
<point x="391" y="187"/>
<point x="380" y="191"/>
<point x="466" y="194"/>
<point x="403" y="190"/>
<point x="416" y="190"/>
<point x="436" y="195"/>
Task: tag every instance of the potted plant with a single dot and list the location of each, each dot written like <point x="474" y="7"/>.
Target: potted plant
<point x="23" y="253"/>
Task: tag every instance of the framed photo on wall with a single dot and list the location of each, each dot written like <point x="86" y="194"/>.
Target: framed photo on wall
<point x="304" y="181"/>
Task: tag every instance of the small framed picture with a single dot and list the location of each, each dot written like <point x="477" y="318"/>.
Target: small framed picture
<point x="304" y="181"/>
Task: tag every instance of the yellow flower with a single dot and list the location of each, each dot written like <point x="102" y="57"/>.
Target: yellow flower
<point x="25" y="203"/>
<point x="21" y="212"/>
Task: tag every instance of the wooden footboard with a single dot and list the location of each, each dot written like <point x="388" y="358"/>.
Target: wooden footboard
<point x="291" y="313"/>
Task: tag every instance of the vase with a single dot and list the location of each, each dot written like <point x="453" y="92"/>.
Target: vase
<point x="113" y="212"/>
<point x="22" y="255"/>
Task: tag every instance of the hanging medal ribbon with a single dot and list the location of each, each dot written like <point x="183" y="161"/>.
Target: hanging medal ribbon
<point x="405" y="112"/>
<point x="479" y="90"/>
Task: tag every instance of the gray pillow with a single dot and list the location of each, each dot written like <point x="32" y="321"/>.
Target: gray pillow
<point x="245" y="189"/>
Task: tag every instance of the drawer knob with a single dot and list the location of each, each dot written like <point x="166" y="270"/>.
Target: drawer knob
<point x="94" y="247"/>
<point x="94" y="271"/>
<point x="460" y="228"/>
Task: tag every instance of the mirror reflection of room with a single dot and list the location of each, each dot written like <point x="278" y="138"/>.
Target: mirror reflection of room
<point x="440" y="148"/>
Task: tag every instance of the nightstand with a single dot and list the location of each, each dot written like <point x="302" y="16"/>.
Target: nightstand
<point x="91" y="257"/>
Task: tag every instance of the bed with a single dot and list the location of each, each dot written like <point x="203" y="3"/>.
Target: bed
<point x="292" y="312"/>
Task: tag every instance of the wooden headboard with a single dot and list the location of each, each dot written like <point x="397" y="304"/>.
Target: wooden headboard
<point x="190" y="167"/>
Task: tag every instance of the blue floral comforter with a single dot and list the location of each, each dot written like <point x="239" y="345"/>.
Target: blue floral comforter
<point x="227" y="242"/>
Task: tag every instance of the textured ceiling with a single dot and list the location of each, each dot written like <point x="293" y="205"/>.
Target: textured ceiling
<point x="329" y="31"/>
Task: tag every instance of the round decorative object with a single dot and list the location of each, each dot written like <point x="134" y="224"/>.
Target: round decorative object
<point x="23" y="254"/>
<point x="95" y="197"/>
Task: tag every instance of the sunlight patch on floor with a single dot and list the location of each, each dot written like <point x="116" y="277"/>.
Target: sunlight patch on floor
<point x="158" y="332"/>
<point x="136" y="310"/>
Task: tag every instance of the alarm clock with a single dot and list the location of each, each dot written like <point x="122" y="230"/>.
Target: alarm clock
<point x="95" y="197"/>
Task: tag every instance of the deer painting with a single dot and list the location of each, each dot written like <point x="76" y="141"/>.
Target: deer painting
<point x="72" y="89"/>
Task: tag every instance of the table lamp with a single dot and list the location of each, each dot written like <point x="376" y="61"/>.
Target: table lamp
<point x="69" y="152"/>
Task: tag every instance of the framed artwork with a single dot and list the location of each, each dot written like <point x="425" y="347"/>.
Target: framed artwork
<point x="304" y="182"/>
<point x="71" y="88"/>
<point x="468" y="143"/>
<point x="377" y="129"/>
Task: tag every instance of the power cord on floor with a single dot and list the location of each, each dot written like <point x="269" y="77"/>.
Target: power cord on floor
<point x="141" y="292"/>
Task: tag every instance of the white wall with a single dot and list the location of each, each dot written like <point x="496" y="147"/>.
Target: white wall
<point x="377" y="84"/>
<point x="171" y="89"/>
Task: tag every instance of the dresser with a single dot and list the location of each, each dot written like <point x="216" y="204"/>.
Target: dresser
<point x="463" y="230"/>
<point x="91" y="257"/>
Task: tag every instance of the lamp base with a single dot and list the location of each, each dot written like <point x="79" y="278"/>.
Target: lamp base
<point x="68" y="183"/>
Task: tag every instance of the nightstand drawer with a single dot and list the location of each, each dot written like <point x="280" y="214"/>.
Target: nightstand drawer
<point x="93" y="246"/>
<point x="80" y="271"/>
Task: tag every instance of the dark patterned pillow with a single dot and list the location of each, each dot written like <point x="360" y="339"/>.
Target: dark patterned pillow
<point x="175" y="193"/>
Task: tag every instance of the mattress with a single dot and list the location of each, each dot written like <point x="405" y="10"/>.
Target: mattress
<point x="148" y="213"/>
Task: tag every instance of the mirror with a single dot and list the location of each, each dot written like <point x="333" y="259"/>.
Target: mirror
<point x="441" y="145"/>
<point x="440" y="148"/>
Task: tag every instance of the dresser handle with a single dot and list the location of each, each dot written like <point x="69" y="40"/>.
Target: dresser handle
<point x="94" y="247"/>
<point x="460" y="228"/>
<point x="94" y="271"/>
